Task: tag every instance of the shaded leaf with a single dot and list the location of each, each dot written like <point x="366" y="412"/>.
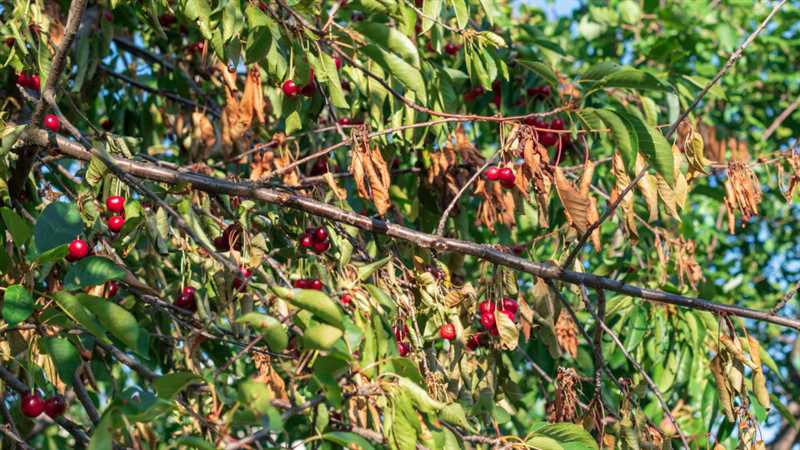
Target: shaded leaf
<point x="58" y="224"/>
<point x="17" y="305"/>
<point x="91" y="271"/>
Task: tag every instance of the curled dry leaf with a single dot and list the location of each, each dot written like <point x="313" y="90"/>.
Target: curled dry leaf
<point x="622" y="179"/>
<point x="56" y="26"/>
<point x="567" y="333"/>
<point x="579" y="207"/>
<point x="667" y="196"/>
<point x="742" y="192"/>
<point x="537" y="170"/>
<point x="723" y="389"/>
<point x="497" y="206"/>
<point x="269" y="161"/>
<point x="794" y="180"/>
<point x="565" y="406"/>
<point x="204" y="138"/>
<point x="714" y="149"/>
<point x="237" y="116"/>
<point x="688" y="268"/>
<point x="268" y="375"/>
<point x="370" y="171"/>
<point x="450" y="166"/>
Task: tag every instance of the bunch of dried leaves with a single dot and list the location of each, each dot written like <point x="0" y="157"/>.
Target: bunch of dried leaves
<point x="565" y="406"/>
<point x="369" y="170"/>
<point x="268" y="161"/>
<point x="452" y="166"/>
<point x="567" y="333"/>
<point x="742" y="192"/>
<point x="727" y="366"/>
<point x="239" y="112"/>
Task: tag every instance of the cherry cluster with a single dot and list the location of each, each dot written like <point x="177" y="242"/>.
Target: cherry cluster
<point x="231" y="237"/>
<point x="186" y="300"/>
<point x="32" y="405"/>
<point x="505" y="175"/>
<point x="508" y="306"/>
<point x="549" y="138"/>
<point x="401" y="334"/>
<point x="308" y="283"/>
<point x="29" y="81"/>
<point x="116" y="206"/>
<point x="316" y="239"/>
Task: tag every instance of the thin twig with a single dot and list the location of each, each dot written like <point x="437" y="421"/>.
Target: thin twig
<point x="615" y="204"/>
<point x="781" y="117"/>
<point x="83" y="397"/>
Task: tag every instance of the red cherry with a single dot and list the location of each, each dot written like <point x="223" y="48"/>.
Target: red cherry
<point x="338" y="62"/>
<point x="497" y="100"/>
<point x="115" y="204"/>
<point x="509" y="304"/>
<point x="346" y="299"/>
<point x="344" y="121"/>
<point x="475" y="341"/>
<point x="115" y="223"/>
<point x="52" y="123"/>
<point x="506" y="175"/>
<point x="565" y="140"/>
<point x="486" y="307"/>
<point x="188" y="290"/>
<point x="450" y="48"/>
<point x="55" y="406"/>
<point x="307" y="241"/>
<point x="23" y="79"/>
<point x="221" y="244"/>
<point x="198" y="46"/>
<point x="10" y="41"/>
<point x="31" y="405"/>
<point x="345" y="85"/>
<point x="187" y="302"/>
<point x="301" y="283"/>
<point x="547" y="138"/>
<point x="557" y="124"/>
<point x="404" y="348"/>
<point x="534" y="91"/>
<point x="316" y="285"/>
<point x="309" y="89"/>
<point x="233" y="235"/>
<point x="77" y="249"/>
<point x="488" y="320"/>
<point x="167" y="19"/>
<point x="511" y="315"/>
<point x="357" y="16"/>
<point x="496" y="86"/>
<point x="447" y="332"/>
<point x="107" y="124"/>
<point x="241" y="280"/>
<point x="35" y="83"/>
<point x="262" y="6"/>
<point x="492" y="173"/>
<point x="108" y="16"/>
<point x="400" y="332"/>
<point x="112" y="287"/>
<point x="545" y="90"/>
<point x="321" y="234"/>
<point x="290" y="88"/>
<point x="321" y="247"/>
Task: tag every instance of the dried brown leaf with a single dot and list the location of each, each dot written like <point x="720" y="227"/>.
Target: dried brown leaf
<point x="567" y="334"/>
<point x="576" y="205"/>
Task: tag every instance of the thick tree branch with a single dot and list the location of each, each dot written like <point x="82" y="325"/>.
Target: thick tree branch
<point x="615" y="204"/>
<point x="485" y="252"/>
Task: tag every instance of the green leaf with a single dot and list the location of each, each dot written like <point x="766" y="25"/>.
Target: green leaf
<point x="102" y="438"/>
<point x="420" y="396"/>
<point x="462" y="13"/>
<point x="200" y="11"/>
<point x="654" y="147"/>
<point x="91" y="271"/>
<point x="95" y="171"/>
<point x="194" y="442"/>
<point x="629" y="77"/>
<point x="65" y="357"/>
<point x="118" y="321"/>
<point x="256" y="396"/>
<point x="348" y="440"/>
<point x="490" y="10"/>
<point x="716" y="91"/>
<point x="568" y="435"/>
<point x="19" y="228"/>
<point x="58" y="224"/>
<point x="395" y="66"/>
<point x="44" y="58"/>
<point x="391" y="40"/>
<point x="17" y="305"/>
<point x="321" y="336"/>
<point x="315" y="302"/>
<point x="542" y="70"/>
<point x="366" y="271"/>
<point x="77" y="312"/>
<point x="599" y="71"/>
<point x="431" y="10"/>
<point x="630" y="12"/>
<point x="271" y="328"/>
<point x="333" y="82"/>
<point x="258" y="43"/>
<point x="9" y="136"/>
<point x="232" y="22"/>
<point x="623" y="136"/>
<point x="543" y="443"/>
<point x="169" y="385"/>
<point x="454" y="414"/>
<point x="52" y="255"/>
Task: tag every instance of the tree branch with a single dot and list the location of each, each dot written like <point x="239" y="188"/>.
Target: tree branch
<point x="615" y="204"/>
<point x="781" y="117"/>
<point x="485" y="252"/>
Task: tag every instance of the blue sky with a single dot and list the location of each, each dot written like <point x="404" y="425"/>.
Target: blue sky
<point x="555" y="7"/>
